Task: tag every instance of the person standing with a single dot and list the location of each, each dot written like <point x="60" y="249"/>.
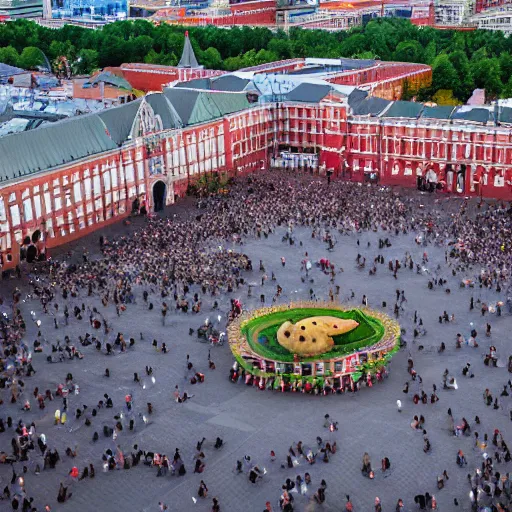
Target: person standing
<point x="203" y="490"/>
<point x="164" y="312"/>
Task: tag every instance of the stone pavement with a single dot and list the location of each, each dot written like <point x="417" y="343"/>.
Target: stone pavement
<point x="253" y="422"/>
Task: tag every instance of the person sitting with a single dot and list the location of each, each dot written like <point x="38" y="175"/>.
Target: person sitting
<point x="415" y="423"/>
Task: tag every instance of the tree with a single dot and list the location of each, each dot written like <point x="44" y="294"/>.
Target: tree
<point x="445" y="98"/>
<point x="352" y="45"/>
<point x="87" y="62"/>
<point x="444" y="75"/>
<point x="281" y="47"/>
<point x="366" y="55"/>
<point x="487" y="75"/>
<point x="507" y="89"/>
<point x="30" y="58"/>
<point x="505" y="66"/>
<point x="9" y="55"/>
<point x="211" y="58"/>
<point x="264" y="56"/>
<point x="140" y="47"/>
<point x="430" y="52"/>
<point x="409" y="51"/>
<point x="466" y="83"/>
<point x="233" y="63"/>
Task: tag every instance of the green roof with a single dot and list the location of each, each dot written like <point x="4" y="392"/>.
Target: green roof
<point x="52" y="145"/>
<point x="195" y="107"/>
<point x="438" y="112"/>
<point x="119" y="120"/>
<point x="409" y="109"/>
<point x="110" y="79"/>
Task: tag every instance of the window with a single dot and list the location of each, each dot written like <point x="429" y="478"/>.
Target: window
<point x="87" y="187"/>
<point x="140" y="170"/>
<point x="113" y="174"/>
<point x="70" y="222"/>
<point x="27" y="210"/>
<point x="96" y="186"/>
<point x="106" y="180"/>
<point x="3" y="214"/>
<point x="37" y="206"/>
<point x="77" y="192"/>
<point x="48" y="202"/>
<point x="130" y="177"/>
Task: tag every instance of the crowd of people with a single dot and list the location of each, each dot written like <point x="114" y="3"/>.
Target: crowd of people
<point x="174" y="263"/>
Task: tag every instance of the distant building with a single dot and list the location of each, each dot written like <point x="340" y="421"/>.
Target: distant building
<point x="451" y="12"/>
<point x="152" y="77"/>
<point x="93" y="9"/>
<point x="22" y="8"/>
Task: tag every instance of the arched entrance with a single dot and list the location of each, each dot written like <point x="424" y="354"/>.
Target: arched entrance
<point x="158" y="196"/>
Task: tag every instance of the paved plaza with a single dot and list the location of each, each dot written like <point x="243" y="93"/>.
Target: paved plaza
<point x="253" y="422"/>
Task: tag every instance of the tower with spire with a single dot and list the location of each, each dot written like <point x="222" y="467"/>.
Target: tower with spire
<point x="188" y="58"/>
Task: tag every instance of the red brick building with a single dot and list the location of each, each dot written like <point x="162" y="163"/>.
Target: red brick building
<point x="86" y="172"/>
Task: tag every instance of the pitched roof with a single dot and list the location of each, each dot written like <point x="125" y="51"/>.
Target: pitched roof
<point x="438" y="112"/>
<point x="7" y="71"/>
<point x="372" y="106"/>
<point x="163" y="108"/>
<point x="225" y="83"/>
<point x="505" y="115"/>
<point x="52" y="145"/>
<point x="183" y="101"/>
<point x="108" y="78"/>
<point x="119" y="120"/>
<point x="309" y="93"/>
<point x="409" y="109"/>
<point x="196" y="83"/>
<point x="229" y="83"/>
<point x="214" y="105"/>
<point x="195" y="106"/>
<point x="188" y="58"/>
<point x="476" y="115"/>
<point x="356" y="97"/>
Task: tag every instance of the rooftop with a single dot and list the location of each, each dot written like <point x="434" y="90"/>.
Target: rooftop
<point x="55" y="144"/>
